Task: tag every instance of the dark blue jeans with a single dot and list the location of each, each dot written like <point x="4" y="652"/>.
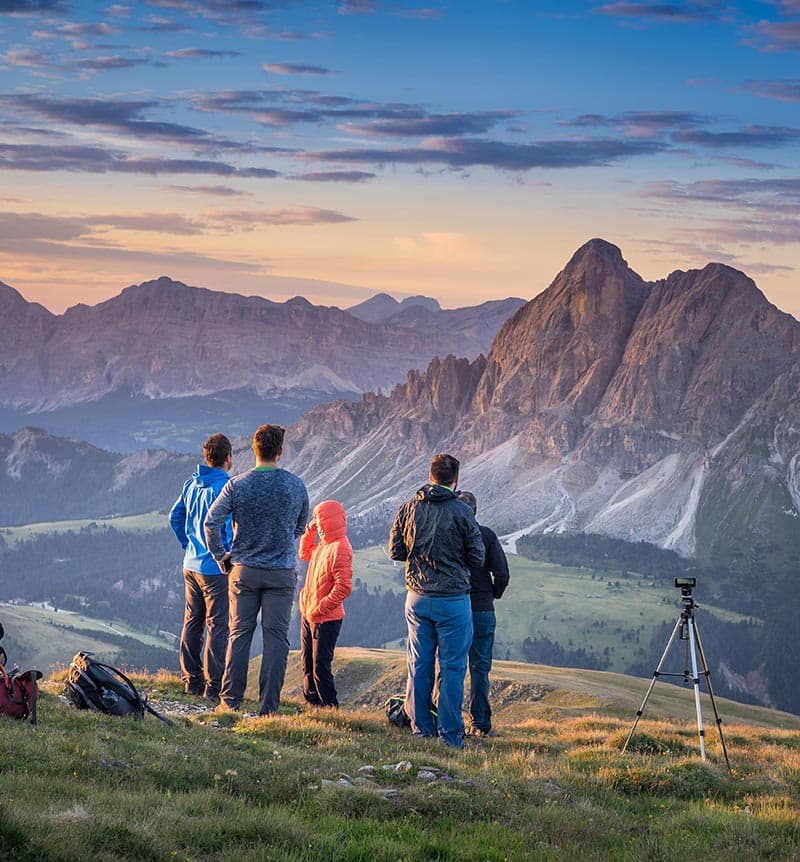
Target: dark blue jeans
<point x="206" y="612"/>
<point x="480" y="663"/>
<point x="438" y="627"/>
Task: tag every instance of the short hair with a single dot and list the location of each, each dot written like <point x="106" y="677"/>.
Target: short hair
<point x="216" y="450"/>
<point x="469" y="498"/>
<point x="444" y="469"/>
<point x="268" y="441"/>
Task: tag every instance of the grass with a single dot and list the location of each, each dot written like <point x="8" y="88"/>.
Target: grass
<point x="566" y="604"/>
<point x="124" y="523"/>
<point x="51" y="640"/>
<point x="553" y="785"/>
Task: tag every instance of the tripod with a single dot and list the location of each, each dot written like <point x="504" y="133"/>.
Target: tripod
<point x="686" y="627"/>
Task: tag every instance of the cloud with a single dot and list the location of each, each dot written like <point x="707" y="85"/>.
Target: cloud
<point x="782" y="91"/>
<point x="731" y="191"/>
<point x="665" y="12"/>
<point x="333" y="177"/>
<point x="447" y="246"/>
<point x="96" y="160"/>
<point x="29" y="58"/>
<point x="461" y="153"/>
<point x="749" y="136"/>
<point x="218" y="191"/>
<point x="108" y="63"/>
<point x="641" y="124"/>
<point x="156" y="24"/>
<point x="33" y="7"/>
<point x="296" y="69"/>
<point x="297" y="215"/>
<point x="23" y="226"/>
<point x="774" y="36"/>
<point x="370" y="7"/>
<point x="126" y="118"/>
<point x="200" y="54"/>
<point x="113" y="114"/>
<point x="432" y="124"/>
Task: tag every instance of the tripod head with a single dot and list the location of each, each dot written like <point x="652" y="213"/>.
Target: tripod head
<point x="686" y="585"/>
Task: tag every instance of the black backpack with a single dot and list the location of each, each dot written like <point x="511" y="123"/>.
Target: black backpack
<point x="395" y="708"/>
<point x="101" y="688"/>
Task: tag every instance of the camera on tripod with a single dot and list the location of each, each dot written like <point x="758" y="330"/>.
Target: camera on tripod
<point x="686" y="585"/>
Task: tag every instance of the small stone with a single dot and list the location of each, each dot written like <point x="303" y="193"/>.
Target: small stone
<point x="425" y="775"/>
<point x="403" y="766"/>
<point x="368" y="770"/>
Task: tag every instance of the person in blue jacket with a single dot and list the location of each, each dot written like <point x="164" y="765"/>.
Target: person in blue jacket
<point x="206" y="587"/>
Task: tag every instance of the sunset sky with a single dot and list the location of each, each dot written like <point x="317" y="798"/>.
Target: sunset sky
<point x="453" y="148"/>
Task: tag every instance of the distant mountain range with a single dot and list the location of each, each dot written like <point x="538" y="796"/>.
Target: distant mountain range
<point x="664" y="411"/>
<point x="163" y="363"/>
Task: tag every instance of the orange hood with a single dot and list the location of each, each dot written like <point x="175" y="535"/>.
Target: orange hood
<point x="331" y="520"/>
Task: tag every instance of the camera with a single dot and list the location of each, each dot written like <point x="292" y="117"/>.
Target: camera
<point x="685" y="583"/>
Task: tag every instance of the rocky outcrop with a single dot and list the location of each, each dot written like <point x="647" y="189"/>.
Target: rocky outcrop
<point x="664" y="411"/>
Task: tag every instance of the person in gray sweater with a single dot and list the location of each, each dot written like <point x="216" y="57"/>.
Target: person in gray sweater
<point x="270" y="510"/>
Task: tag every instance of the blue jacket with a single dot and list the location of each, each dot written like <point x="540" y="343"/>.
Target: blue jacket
<point x="187" y="518"/>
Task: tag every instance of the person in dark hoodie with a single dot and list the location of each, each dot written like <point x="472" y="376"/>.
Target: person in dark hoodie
<point x="488" y="582"/>
<point x="438" y="538"/>
<point x="205" y="586"/>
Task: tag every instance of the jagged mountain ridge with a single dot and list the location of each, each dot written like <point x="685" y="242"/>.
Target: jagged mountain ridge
<point x="47" y="478"/>
<point x="641" y="410"/>
<point x="164" y="339"/>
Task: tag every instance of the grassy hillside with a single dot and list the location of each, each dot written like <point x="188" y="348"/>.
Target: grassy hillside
<point x="328" y="785"/>
<point x="611" y="615"/>
<point x="127" y="523"/>
<point x="47" y="639"/>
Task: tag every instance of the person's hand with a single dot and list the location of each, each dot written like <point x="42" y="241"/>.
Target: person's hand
<point x="224" y="563"/>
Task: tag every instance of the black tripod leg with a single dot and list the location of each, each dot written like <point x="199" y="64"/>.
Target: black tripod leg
<point x="656" y="673"/>
<point x="707" y="674"/>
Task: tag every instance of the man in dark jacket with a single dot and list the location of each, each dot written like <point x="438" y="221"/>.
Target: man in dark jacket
<point x="205" y="586"/>
<point x="488" y="582"/>
<point x="438" y="538"/>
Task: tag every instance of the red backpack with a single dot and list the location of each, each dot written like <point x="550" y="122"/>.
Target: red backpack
<point x="19" y="690"/>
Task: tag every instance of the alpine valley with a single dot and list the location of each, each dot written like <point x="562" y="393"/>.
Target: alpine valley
<point x="627" y="431"/>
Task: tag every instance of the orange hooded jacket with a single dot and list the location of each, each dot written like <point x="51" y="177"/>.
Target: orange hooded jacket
<point x="329" y="580"/>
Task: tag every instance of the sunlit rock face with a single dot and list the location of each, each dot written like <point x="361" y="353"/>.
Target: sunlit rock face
<point x="642" y="410"/>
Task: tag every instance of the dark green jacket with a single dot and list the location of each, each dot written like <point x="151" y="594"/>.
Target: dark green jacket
<point x="438" y="538"/>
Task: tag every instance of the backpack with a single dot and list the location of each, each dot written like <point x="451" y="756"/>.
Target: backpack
<point x="102" y="688"/>
<point x="395" y="708"/>
<point x="19" y="690"/>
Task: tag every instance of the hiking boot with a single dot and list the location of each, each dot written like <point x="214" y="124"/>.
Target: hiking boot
<point x="480" y="733"/>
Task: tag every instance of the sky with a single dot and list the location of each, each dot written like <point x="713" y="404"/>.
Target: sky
<point x="457" y="149"/>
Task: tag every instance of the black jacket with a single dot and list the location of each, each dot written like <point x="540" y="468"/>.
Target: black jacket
<point x="490" y="580"/>
<point x="437" y="536"/>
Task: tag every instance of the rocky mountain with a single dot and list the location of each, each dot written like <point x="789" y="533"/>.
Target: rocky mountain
<point x="663" y="411"/>
<point x="46" y="478"/>
<point x="166" y="342"/>
<point x="382" y="307"/>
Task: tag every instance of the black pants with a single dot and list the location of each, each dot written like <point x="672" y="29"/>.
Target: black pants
<point x="317" y="642"/>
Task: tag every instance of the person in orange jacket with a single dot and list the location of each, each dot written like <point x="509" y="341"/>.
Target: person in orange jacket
<point x="329" y="581"/>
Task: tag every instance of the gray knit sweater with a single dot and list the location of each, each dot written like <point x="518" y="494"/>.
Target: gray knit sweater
<point x="270" y="511"/>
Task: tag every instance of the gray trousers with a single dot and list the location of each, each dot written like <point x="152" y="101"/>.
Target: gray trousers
<point x="206" y="613"/>
<point x="250" y="591"/>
